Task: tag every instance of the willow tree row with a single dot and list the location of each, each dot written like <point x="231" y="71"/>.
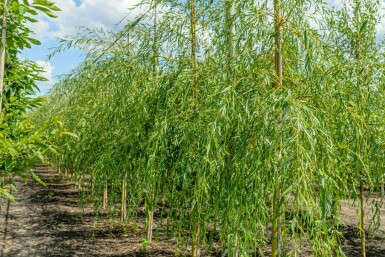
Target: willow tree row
<point x="240" y="121"/>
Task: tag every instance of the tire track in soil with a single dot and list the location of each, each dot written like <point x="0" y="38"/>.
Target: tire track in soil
<point x="47" y="222"/>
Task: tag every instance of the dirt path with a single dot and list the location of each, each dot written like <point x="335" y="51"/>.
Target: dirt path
<point x="47" y="222"/>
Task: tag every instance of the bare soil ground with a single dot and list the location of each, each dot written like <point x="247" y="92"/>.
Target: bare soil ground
<point x="48" y="222"/>
<point x="375" y="244"/>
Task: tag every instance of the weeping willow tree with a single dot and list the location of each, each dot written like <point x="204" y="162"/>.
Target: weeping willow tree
<point x="360" y="70"/>
<point x="236" y="122"/>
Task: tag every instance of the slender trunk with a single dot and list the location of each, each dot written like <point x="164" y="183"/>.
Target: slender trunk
<point x="278" y="42"/>
<point x="362" y="174"/>
<point x="123" y="211"/>
<point x="276" y="223"/>
<point x="235" y="252"/>
<point x="362" y="221"/>
<point x="193" y="28"/>
<point x="150" y="224"/>
<point x="150" y="219"/>
<point x="155" y="46"/>
<point x="79" y="183"/>
<point x="195" y="241"/>
<point x="230" y="35"/>
<point x="105" y="196"/>
<point x="2" y="52"/>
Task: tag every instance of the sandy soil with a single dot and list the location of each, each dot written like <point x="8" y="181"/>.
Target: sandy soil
<point x="47" y="221"/>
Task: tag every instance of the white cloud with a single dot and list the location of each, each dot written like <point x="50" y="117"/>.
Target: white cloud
<point x="90" y="13"/>
<point x="48" y="74"/>
<point x="41" y="28"/>
<point x="381" y="25"/>
<point x="48" y="70"/>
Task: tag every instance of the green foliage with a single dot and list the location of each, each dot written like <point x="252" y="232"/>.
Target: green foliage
<point x="21" y="144"/>
<point x="213" y="150"/>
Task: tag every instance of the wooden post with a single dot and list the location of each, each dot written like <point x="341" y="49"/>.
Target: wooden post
<point x="2" y="52"/>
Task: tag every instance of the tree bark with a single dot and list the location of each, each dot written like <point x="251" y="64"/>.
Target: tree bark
<point x="2" y="52"/>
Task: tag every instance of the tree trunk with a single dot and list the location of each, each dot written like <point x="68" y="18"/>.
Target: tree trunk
<point x="2" y="52"/>
<point x="155" y="46"/>
<point x="230" y="35"/>
<point x="362" y="221"/>
<point x="150" y="223"/>
<point x="276" y="231"/>
<point x="123" y="211"/>
<point x="276" y="212"/>
<point x="195" y="241"/>
<point x="105" y="196"/>
<point x="278" y="42"/>
<point x="193" y="25"/>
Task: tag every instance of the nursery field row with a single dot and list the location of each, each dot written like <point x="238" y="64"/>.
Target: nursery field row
<point x="241" y="124"/>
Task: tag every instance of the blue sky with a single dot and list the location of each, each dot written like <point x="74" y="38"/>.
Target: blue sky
<point x="75" y="13"/>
